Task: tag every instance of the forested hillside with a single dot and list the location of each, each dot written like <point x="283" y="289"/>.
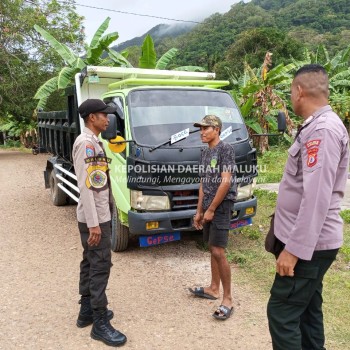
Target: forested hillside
<point x="248" y="30"/>
<point x="233" y="45"/>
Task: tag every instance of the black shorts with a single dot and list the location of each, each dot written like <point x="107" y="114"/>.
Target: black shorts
<point x="215" y="233"/>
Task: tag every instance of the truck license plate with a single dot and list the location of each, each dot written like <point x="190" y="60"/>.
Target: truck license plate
<point x="160" y="238"/>
<point x="240" y="223"/>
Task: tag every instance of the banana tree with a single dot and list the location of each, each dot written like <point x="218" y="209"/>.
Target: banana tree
<point x="73" y="63"/>
<point x="19" y="128"/>
<point x="260" y="94"/>
<point x="338" y="70"/>
<point x="148" y="58"/>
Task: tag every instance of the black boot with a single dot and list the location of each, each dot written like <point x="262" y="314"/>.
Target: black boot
<point x="85" y="315"/>
<point x="104" y="331"/>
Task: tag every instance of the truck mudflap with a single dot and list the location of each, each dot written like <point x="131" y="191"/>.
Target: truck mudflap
<point x="175" y="221"/>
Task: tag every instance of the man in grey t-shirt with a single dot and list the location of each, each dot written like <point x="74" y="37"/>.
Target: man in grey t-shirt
<point x="214" y="210"/>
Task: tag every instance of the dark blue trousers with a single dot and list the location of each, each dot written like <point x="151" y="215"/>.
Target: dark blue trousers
<point x="294" y="310"/>
<point x="95" y="266"/>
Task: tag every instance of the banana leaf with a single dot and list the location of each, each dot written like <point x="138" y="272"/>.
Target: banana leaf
<point x="47" y="88"/>
<point x="252" y="88"/>
<point x="61" y="49"/>
<point x="125" y="53"/>
<point x="66" y="76"/>
<point x="118" y="58"/>
<point x="288" y="138"/>
<point x="272" y="122"/>
<point x="254" y="125"/>
<point x="99" y="32"/>
<point x="166" y="58"/>
<point x="94" y="53"/>
<point x="148" y="56"/>
<point x="247" y="107"/>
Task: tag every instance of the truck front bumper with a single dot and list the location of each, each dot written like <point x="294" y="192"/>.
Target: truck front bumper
<point x="174" y="221"/>
<point x="169" y="221"/>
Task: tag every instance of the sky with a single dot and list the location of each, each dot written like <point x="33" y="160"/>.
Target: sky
<point x="129" y="26"/>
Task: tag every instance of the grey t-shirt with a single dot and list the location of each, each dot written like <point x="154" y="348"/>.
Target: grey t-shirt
<point x="213" y="162"/>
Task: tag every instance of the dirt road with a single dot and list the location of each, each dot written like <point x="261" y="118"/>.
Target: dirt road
<point x="39" y="260"/>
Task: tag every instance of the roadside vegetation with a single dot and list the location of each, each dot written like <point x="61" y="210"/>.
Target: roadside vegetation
<point x="271" y="164"/>
<point x="246" y="249"/>
<point x="257" y="46"/>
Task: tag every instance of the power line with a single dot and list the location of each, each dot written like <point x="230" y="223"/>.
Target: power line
<point x="132" y="13"/>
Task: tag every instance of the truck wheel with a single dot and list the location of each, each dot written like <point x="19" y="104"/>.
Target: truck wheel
<point x="120" y="233"/>
<point x="58" y="197"/>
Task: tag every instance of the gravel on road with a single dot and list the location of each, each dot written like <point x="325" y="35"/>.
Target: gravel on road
<point x="40" y="256"/>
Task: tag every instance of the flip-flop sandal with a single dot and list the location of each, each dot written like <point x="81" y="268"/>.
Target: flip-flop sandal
<point x="199" y="292"/>
<point x="223" y="313"/>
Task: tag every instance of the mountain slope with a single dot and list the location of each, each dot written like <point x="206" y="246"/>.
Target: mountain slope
<point x="157" y="33"/>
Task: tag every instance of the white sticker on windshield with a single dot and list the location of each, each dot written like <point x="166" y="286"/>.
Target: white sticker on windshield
<point x="179" y="135"/>
<point x="226" y="133"/>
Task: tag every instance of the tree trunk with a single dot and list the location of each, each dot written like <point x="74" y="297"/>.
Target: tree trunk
<point x="263" y="144"/>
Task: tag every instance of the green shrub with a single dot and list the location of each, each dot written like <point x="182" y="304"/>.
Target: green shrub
<point x="345" y="214"/>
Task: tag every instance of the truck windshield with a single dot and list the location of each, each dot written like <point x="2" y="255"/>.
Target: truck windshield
<point x="156" y="114"/>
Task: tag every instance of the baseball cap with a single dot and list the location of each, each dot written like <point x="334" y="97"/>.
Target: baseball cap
<point x="93" y="105"/>
<point x="209" y="120"/>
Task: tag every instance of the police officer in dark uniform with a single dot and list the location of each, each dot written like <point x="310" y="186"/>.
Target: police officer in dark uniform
<point x="94" y="222"/>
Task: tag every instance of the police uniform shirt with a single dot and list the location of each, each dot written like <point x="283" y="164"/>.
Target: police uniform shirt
<point x="313" y="184"/>
<point x="91" y="169"/>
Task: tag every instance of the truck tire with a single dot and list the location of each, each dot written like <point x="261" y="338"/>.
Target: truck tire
<point x="58" y="197"/>
<point x="120" y="233"/>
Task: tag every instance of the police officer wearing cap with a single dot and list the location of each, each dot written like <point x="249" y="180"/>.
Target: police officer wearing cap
<point x="94" y="222"/>
<point x="307" y="221"/>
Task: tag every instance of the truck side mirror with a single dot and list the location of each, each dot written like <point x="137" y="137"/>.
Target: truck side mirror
<point x="111" y="131"/>
<point x="281" y="125"/>
<point x="281" y="122"/>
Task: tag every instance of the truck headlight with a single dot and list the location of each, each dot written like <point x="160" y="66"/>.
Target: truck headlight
<point x="140" y="201"/>
<point x="246" y="191"/>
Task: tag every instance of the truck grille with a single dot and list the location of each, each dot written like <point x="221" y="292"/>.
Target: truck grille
<point x="181" y="200"/>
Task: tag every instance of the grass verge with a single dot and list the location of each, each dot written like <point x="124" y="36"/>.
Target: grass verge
<point x="16" y="149"/>
<point x="271" y="165"/>
<point x="258" y="268"/>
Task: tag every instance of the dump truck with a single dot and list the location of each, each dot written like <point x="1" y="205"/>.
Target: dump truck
<point x="153" y="147"/>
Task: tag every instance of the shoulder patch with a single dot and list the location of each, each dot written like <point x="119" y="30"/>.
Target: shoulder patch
<point x="312" y="143"/>
<point x="90" y="150"/>
<point x="312" y="148"/>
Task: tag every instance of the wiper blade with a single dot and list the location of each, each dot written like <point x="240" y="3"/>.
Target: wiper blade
<point x="174" y="138"/>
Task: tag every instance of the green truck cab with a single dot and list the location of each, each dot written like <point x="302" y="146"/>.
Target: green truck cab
<point x="154" y="148"/>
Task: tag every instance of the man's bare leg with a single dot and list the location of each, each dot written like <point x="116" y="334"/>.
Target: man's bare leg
<point x="224" y="271"/>
<point x="214" y="288"/>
